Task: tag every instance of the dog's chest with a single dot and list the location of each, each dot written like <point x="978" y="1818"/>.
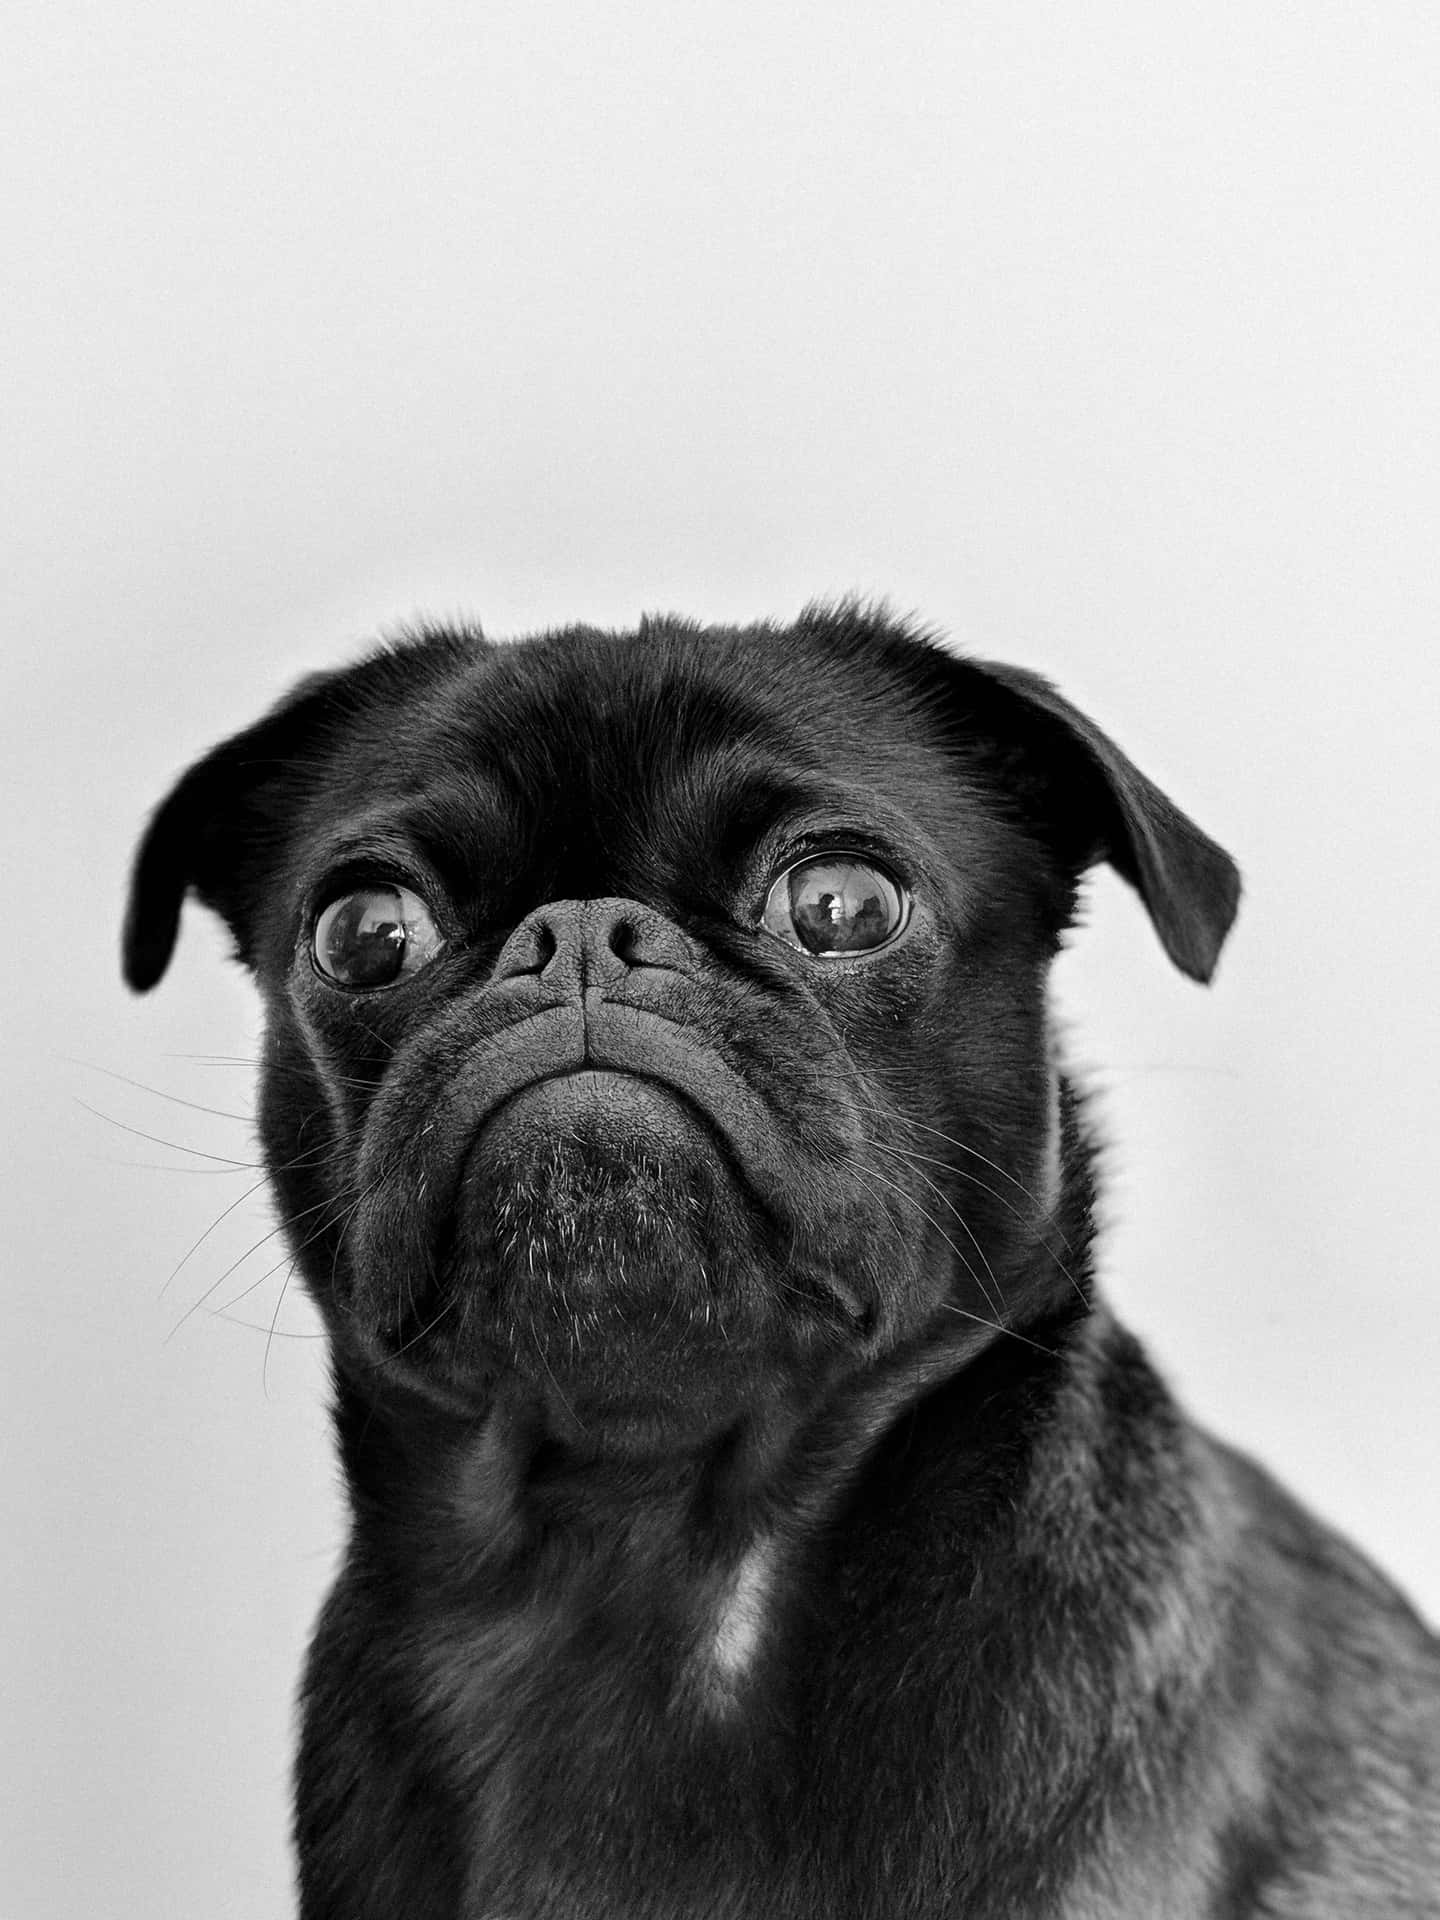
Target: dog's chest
<point x="682" y="1664"/>
<point x="599" y="1742"/>
<point x="719" y="1762"/>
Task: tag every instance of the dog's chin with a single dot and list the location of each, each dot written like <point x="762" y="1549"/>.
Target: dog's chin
<point x="605" y="1248"/>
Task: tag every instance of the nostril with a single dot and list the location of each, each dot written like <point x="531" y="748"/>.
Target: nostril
<point x="529" y="950"/>
<point x="636" y="936"/>
<point x="576" y="944"/>
<point x="624" y="942"/>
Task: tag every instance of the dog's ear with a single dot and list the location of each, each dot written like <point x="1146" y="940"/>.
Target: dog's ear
<point x="1104" y="808"/>
<point x="1064" y="776"/>
<point x="220" y="830"/>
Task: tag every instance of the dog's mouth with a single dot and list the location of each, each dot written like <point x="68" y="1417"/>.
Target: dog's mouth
<point x="614" y="1117"/>
<point x="593" y="1189"/>
<point x="608" y="1143"/>
<point x="611" y="1209"/>
<point x="602" y="1242"/>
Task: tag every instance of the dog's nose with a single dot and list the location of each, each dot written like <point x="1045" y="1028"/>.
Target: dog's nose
<point x="575" y="944"/>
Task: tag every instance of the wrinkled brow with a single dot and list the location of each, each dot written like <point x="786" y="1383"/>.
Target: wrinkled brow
<point x="435" y="819"/>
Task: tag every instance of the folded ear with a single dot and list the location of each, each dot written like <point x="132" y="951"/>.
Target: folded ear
<point x="1062" y="773"/>
<point x="219" y="831"/>
<point x="223" y="831"/>
<point x="1107" y="809"/>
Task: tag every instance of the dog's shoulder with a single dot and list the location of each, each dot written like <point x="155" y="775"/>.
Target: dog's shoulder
<point x="1349" y="1643"/>
<point x="1335" y="1686"/>
<point x="1254" y="1656"/>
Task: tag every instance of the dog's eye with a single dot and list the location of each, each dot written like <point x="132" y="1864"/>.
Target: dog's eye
<point x="834" y="905"/>
<point x="374" y="937"/>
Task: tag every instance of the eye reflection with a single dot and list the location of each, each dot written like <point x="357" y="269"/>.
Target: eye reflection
<point x="833" y="905"/>
<point x="373" y="937"/>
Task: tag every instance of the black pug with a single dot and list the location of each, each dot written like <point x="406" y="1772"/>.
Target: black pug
<point x="756" y="1512"/>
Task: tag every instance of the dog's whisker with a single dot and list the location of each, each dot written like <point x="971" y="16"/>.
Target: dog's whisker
<point x="253" y="1286"/>
<point x="216" y="1059"/>
<point x="343" y="1222"/>
<point x="159" y="1093"/>
<point x="174" y="1146"/>
<point x="998" y="1303"/>
<point x="904" y="1153"/>
<point x="163" y="1166"/>
<point x="229" y="1170"/>
<point x="282" y="1226"/>
<point x="274" y="1323"/>
<point x="965" y="1313"/>
<point x="916" y="1158"/>
<point x="1013" y="1333"/>
<point x="886" y="1112"/>
<point x="280" y="1068"/>
<point x="201" y="1304"/>
<point x="196" y="1245"/>
<point x="416" y="1338"/>
<point x="560" y="1391"/>
<point x="255" y="1326"/>
<point x="289" y="1263"/>
<point x="910" y="1200"/>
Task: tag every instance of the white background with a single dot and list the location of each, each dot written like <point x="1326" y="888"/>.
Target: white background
<point x="1107" y="337"/>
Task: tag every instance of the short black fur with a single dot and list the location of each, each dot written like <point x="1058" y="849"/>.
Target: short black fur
<point x="756" y="1512"/>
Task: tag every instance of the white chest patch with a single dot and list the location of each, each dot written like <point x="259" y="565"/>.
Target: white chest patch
<point x="739" y="1621"/>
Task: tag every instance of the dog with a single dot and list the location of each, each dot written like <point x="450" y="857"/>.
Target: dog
<point x="756" y="1513"/>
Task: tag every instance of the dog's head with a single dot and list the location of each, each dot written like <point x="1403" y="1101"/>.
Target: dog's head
<point x="658" y="1019"/>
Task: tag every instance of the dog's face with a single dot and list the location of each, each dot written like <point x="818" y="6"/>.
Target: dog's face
<point x="658" y="1020"/>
